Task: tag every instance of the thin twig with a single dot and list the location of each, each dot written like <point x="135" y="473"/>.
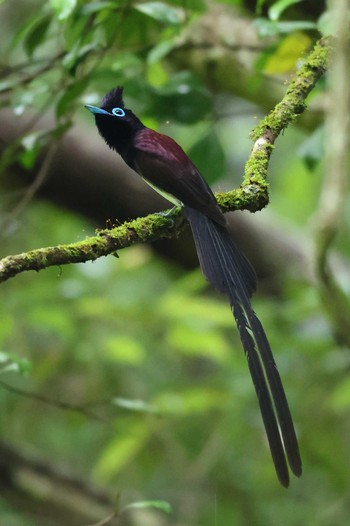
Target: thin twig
<point x="59" y="404"/>
<point x="107" y="520"/>
<point x="35" y="74"/>
<point x="31" y="190"/>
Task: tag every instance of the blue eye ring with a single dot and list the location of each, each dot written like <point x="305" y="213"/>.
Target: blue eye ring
<point x="118" y="112"/>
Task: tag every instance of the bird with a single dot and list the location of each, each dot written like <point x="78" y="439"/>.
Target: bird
<point x="164" y="165"/>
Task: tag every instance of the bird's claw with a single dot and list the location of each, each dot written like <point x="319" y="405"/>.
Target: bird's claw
<point x="170" y="213"/>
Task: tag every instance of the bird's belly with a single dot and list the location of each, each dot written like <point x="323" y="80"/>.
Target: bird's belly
<point x="166" y="195"/>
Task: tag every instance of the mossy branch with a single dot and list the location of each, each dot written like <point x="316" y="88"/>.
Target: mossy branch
<point x="252" y="194"/>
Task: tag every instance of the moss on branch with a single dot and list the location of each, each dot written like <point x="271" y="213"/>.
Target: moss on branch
<point x="284" y="113"/>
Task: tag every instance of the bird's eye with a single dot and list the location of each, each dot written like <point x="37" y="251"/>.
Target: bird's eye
<point x="118" y="112"/>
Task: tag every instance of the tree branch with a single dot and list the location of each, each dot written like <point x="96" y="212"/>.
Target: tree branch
<point x="59" y="404"/>
<point x="48" y="489"/>
<point x="252" y="195"/>
<point x="333" y="198"/>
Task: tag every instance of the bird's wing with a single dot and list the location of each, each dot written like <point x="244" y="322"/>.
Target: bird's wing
<point x="163" y="163"/>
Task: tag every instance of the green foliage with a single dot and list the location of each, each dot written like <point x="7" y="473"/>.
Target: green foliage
<point x="130" y="339"/>
<point x="34" y="33"/>
<point x="207" y="153"/>
<point x="85" y="46"/>
<point x="159" y="403"/>
<point x="161" y="12"/>
<point x="312" y="149"/>
<point x="274" y="27"/>
<point x="11" y="362"/>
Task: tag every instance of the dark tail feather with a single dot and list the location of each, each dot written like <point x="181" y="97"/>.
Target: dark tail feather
<point x="279" y="396"/>
<point x="230" y="273"/>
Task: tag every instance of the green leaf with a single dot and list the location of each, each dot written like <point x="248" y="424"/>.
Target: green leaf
<point x="157" y="74"/>
<point x="327" y="23"/>
<point x="208" y="155"/>
<point x="203" y="343"/>
<point x="32" y="144"/>
<point x="340" y="398"/>
<point x="190" y="402"/>
<point x="158" y="504"/>
<point x="161" y="49"/>
<point x="6" y="85"/>
<point x="259" y="6"/>
<point x="76" y="56"/>
<point x="162" y="12"/>
<point x="287" y="55"/>
<point x="181" y="307"/>
<point x="63" y="8"/>
<point x="182" y="99"/>
<point x="66" y="102"/>
<point x="9" y="362"/>
<point x="232" y="2"/>
<point x="279" y="7"/>
<point x="295" y="25"/>
<point x="124" y="349"/>
<point x="36" y="34"/>
<point x="133" y="405"/>
<point x="197" y="6"/>
<point x="312" y="149"/>
<point x="30" y="140"/>
<point x="267" y="27"/>
<point x="24" y="30"/>
<point x="127" y="61"/>
<point x="7" y="325"/>
<point x="123" y="447"/>
<point x="50" y="321"/>
<point x="96" y="7"/>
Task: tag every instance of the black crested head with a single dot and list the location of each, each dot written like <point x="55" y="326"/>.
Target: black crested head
<point x="116" y="124"/>
<point x="113" y="98"/>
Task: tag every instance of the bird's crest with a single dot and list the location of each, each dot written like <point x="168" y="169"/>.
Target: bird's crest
<point x="113" y="98"/>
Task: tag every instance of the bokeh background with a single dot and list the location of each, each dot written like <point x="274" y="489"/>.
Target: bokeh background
<point x="124" y="394"/>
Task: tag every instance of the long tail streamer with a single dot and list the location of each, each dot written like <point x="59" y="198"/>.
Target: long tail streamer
<point x="229" y="272"/>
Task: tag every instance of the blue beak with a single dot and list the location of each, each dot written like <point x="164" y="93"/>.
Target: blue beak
<point x="95" y="109"/>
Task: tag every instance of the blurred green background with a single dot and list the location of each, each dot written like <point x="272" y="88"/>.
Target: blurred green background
<point x="122" y="381"/>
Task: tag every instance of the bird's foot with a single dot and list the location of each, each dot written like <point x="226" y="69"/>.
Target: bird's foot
<point x="170" y="214"/>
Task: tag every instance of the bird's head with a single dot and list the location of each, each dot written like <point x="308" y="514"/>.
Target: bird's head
<point x="116" y="124"/>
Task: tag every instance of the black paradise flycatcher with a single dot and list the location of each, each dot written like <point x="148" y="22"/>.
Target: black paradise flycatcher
<point x="164" y="165"/>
